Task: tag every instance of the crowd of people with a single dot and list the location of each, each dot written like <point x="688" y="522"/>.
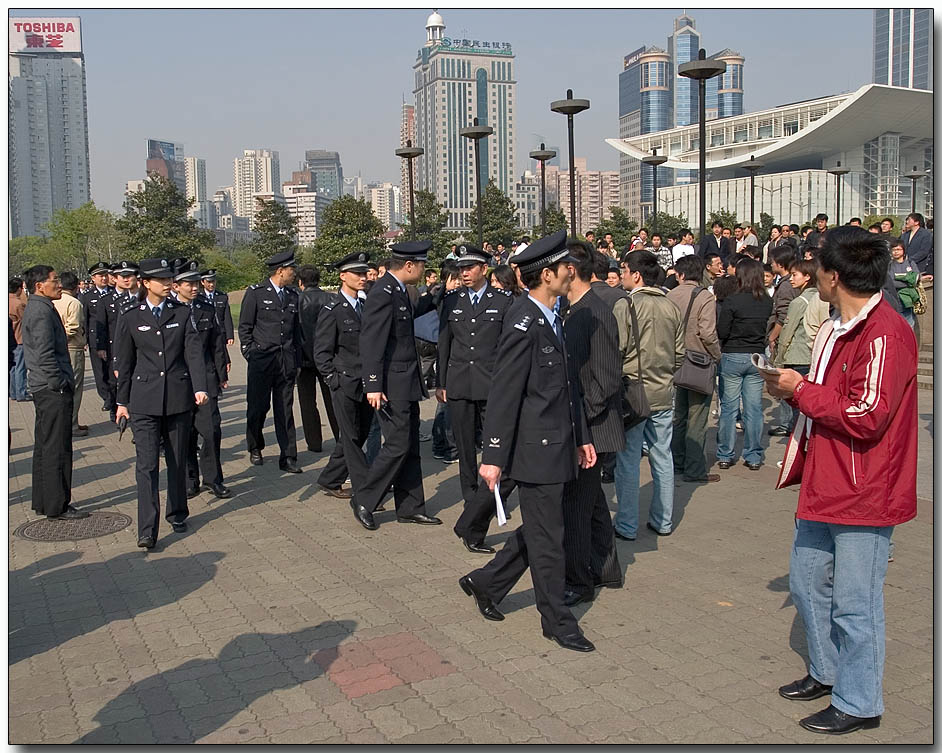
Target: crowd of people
<point x="556" y="367"/>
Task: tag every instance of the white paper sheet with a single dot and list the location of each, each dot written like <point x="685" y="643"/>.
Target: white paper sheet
<point x="501" y="515"/>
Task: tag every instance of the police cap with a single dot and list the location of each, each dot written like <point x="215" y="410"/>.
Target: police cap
<point x="358" y="261"/>
<point x="125" y="268"/>
<point x="189" y="271"/>
<point x="468" y="255"/>
<point x="208" y="274"/>
<point x="411" y="250"/>
<point x="543" y="252"/>
<point x="155" y="268"/>
<point x="284" y="259"/>
<point x="99" y="267"/>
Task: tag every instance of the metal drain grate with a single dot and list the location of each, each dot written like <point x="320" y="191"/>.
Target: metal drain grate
<point x="96" y="524"/>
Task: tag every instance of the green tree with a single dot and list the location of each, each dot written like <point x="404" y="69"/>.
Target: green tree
<point x="236" y="267"/>
<point x="723" y="215"/>
<point x="668" y="224"/>
<point x="349" y="225"/>
<point x="555" y="221"/>
<point x="28" y="250"/>
<point x="620" y="225"/>
<point x="79" y="237"/>
<point x="155" y="223"/>
<point x="765" y="227"/>
<point x="499" y="218"/>
<point x="870" y="219"/>
<point x="276" y="230"/>
<point x="431" y="219"/>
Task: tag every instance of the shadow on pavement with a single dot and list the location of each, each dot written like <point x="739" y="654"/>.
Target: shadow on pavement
<point x="796" y="637"/>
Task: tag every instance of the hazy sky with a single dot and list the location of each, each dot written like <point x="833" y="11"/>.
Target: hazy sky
<point x="221" y="81"/>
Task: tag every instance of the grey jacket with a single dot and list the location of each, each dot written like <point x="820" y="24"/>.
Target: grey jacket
<point x="45" y="347"/>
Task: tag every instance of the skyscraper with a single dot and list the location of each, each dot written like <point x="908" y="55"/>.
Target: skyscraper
<point x="457" y="80"/>
<point x="327" y="171"/>
<point x="596" y="193"/>
<point x="385" y="200"/>
<point x="48" y="121"/>
<point x="203" y="210"/>
<point x="166" y="159"/>
<point x="902" y="47"/>
<point x="257" y="171"/>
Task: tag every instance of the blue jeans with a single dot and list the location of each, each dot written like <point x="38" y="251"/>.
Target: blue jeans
<point x="657" y="432"/>
<point x="739" y="378"/>
<point x="18" y="375"/>
<point x="836" y="579"/>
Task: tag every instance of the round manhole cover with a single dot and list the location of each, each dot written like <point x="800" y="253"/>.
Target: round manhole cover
<point x="96" y="524"/>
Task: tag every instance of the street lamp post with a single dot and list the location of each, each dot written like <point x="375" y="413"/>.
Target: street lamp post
<point x="541" y="155"/>
<point x="700" y="70"/>
<point x="654" y="159"/>
<point x="839" y="173"/>
<point x="753" y="166"/>
<point x="914" y="176"/>
<point x="409" y="152"/>
<point x="570" y="107"/>
<point x="475" y="133"/>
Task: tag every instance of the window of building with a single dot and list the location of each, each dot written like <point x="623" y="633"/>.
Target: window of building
<point x="740" y="133"/>
<point x="765" y="130"/>
<point x="790" y="127"/>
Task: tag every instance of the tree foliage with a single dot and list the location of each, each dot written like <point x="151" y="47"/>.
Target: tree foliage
<point x="275" y="228"/>
<point x="431" y="218"/>
<point x="155" y="223"/>
<point x="667" y="224"/>
<point x="765" y="227"/>
<point x="349" y="225"/>
<point x="499" y="218"/>
<point x="555" y="221"/>
<point x="722" y="215"/>
<point x="236" y="267"/>
<point x="620" y="225"/>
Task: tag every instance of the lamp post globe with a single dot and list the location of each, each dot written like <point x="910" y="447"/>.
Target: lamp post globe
<point x="838" y="172"/>
<point x="654" y="160"/>
<point x="571" y="107"/>
<point x="753" y="166"/>
<point x="475" y="133"/>
<point x="409" y="152"/>
<point x="915" y="175"/>
<point x="542" y="155"/>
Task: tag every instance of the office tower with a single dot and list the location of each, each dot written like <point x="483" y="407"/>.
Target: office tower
<point x="384" y="198"/>
<point x="48" y="122"/>
<point x="902" y="47"/>
<point x="596" y="193"/>
<point x="353" y="186"/>
<point x="528" y="201"/>
<point x="203" y="210"/>
<point x="307" y="206"/>
<point x="256" y="171"/>
<point x="327" y="171"/>
<point x="165" y="158"/>
<point x="406" y="134"/>
<point x="457" y="80"/>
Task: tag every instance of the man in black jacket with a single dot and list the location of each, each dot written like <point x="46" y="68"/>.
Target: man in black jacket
<point x="220" y="301"/>
<point x="102" y="370"/>
<point x="312" y="300"/>
<point x="717" y="243"/>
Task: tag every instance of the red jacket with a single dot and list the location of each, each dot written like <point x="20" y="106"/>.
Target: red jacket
<point x="858" y="467"/>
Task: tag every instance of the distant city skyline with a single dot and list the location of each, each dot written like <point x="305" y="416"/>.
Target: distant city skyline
<point x="336" y="80"/>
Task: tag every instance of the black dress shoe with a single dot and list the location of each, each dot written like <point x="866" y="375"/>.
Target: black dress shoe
<point x="623" y="537"/>
<point x="69" y="513"/>
<point x="752" y="466"/>
<point x="340" y="493"/>
<point x="422" y="520"/>
<point x="193" y="491"/>
<point x="659" y="533"/>
<point x="571" y="598"/>
<point x="255" y="457"/>
<point x="485" y="605"/>
<point x="363" y="516"/>
<point x="574" y="642"/>
<point x="146" y="542"/>
<point x="779" y="431"/>
<point x="832" y="721"/>
<point x="289" y="466"/>
<point x="805" y="689"/>
<point x="477" y="547"/>
<point x="724" y="465"/>
<point x="220" y="491"/>
<point x="179" y="527"/>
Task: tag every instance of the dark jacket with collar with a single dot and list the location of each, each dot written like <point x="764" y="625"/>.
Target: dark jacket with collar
<point x="269" y="331"/>
<point x="467" y="341"/>
<point x="312" y="300"/>
<point x="336" y="348"/>
<point x="709" y="245"/>
<point x="90" y="299"/>
<point x="220" y="301"/>
<point x="204" y="319"/>
<point x="919" y="248"/>
<point x="45" y="347"/>
<point x="607" y="293"/>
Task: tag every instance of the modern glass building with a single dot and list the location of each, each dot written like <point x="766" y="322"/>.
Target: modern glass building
<point x="902" y="47"/>
<point x="327" y="170"/>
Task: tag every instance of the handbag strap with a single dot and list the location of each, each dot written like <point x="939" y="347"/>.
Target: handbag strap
<point x="693" y="295"/>
<point x="637" y="333"/>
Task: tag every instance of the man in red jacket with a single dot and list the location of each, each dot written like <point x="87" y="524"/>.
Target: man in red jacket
<point x="854" y="451"/>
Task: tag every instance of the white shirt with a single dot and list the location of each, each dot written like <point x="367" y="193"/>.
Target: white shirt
<point x="277" y="289"/>
<point x="682" y="249"/>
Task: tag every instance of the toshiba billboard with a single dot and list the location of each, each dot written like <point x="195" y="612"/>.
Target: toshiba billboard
<point x="38" y="35"/>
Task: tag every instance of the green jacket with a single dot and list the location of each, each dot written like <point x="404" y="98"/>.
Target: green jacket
<point x="804" y="317"/>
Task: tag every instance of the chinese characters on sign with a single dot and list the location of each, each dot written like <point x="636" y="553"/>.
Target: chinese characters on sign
<point x="474" y="45"/>
<point x="45" y="34"/>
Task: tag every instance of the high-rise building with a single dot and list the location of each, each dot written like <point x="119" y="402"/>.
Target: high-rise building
<point x="353" y="186"/>
<point x="406" y="135"/>
<point x="48" y="122"/>
<point x="203" y="210"/>
<point x="902" y="47"/>
<point x="256" y="171"/>
<point x="134" y="186"/>
<point x="384" y="198"/>
<point x="528" y="201"/>
<point x="307" y="207"/>
<point x="457" y="80"/>
<point x="165" y="158"/>
<point x="327" y="171"/>
<point x="596" y="194"/>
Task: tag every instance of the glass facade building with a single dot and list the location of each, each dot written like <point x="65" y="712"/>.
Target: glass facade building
<point x="902" y="47"/>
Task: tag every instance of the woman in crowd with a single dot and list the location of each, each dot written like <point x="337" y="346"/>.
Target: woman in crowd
<point x="775" y="237"/>
<point x="741" y="328"/>
<point x="905" y="276"/>
<point x="503" y="277"/>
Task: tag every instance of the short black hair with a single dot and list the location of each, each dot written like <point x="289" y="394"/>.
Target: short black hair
<point x="656" y="235"/>
<point x="874" y="226"/>
<point x="525" y="239"/>
<point x="36" y="274"/>
<point x="684" y="233"/>
<point x="602" y="263"/>
<point x="894" y="241"/>
<point x="645" y="263"/>
<point x="450" y="269"/>
<point x="820" y="216"/>
<point x="16" y="285"/>
<point x="917" y="217"/>
<point x="69" y="281"/>
<point x="734" y="260"/>
<point x="534" y="278"/>
<point x="715" y="223"/>
<point x="783" y="255"/>
<point x="309" y="275"/>
<point x="861" y="259"/>
<point x="583" y="258"/>
<point x="708" y="257"/>
<point x="691" y="267"/>
<point x="794" y="228"/>
<point x="430" y="272"/>
<point x="372" y="265"/>
<point x="888" y="219"/>
<point x="737" y="226"/>
<point x="852" y="220"/>
<point x="644" y="229"/>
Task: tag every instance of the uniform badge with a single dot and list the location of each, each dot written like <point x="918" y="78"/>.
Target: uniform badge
<point x="269" y="302"/>
<point x="174" y="324"/>
<point x="402" y="308"/>
<point x="540" y="320"/>
<point x="456" y="311"/>
<point x="144" y="328"/>
<point x="491" y="311"/>
<point x="495" y="442"/>
<point x="548" y="348"/>
<point x="372" y="376"/>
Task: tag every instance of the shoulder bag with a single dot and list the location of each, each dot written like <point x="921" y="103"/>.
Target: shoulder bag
<point x="634" y="402"/>
<point x="697" y="373"/>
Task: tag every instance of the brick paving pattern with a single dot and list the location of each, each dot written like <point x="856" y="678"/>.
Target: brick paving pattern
<point x="278" y="619"/>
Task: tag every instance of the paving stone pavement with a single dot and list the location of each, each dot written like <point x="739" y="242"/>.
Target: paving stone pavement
<point x="277" y="618"/>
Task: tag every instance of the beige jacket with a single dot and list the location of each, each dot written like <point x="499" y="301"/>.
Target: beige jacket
<point x="70" y="310"/>
<point x="701" y="327"/>
<point x="661" y="333"/>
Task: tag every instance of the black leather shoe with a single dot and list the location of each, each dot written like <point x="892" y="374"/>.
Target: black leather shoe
<point x="477" y="548"/>
<point x="193" y="491"/>
<point x="422" y="520"/>
<point x="146" y="542"/>
<point x="289" y="466"/>
<point x="220" y="491"/>
<point x="574" y="642"/>
<point x="340" y="493"/>
<point x="69" y="513"/>
<point x="485" y="605"/>
<point x="623" y="537"/>
<point x="752" y="466"/>
<point x="571" y="598"/>
<point x="779" y="431"/>
<point x="659" y="533"/>
<point x="832" y="721"/>
<point x="724" y="465"/>
<point x="255" y="457"/>
<point x="363" y="516"/>
<point x="179" y="527"/>
<point x="805" y="689"/>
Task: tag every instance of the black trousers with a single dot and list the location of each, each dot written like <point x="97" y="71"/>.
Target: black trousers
<point x="537" y="544"/>
<point x="398" y="463"/>
<point x="308" y="379"/>
<point x="269" y="386"/>
<point x="52" y="451"/>
<point x="589" y="539"/>
<point x="207" y="424"/>
<point x="104" y="379"/>
<point x="354" y="418"/>
<point x="175" y="432"/>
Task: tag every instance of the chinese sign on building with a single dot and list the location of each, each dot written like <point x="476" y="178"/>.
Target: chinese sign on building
<point x="40" y="35"/>
<point x="474" y="45"/>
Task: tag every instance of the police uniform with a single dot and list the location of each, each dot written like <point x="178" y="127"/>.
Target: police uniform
<point x="312" y="301"/>
<point x="336" y="355"/>
<point x="270" y="338"/>
<point x="100" y="368"/>
<point x="469" y="330"/>
<point x="533" y="428"/>
<point x="391" y="367"/>
<point x="206" y="420"/>
<point x="108" y="312"/>
<point x="220" y="302"/>
<point x="160" y="368"/>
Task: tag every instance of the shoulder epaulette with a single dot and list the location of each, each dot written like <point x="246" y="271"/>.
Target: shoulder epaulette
<point x="203" y="303"/>
<point x="388" y="288"/>
<point x="128" y="305"/>
<point x="256" y="286"/>
<point x="456" y="291"/>
<point x="506" y="293"/>
<point x="330" y="306"/>
<point x="524" y="324"/>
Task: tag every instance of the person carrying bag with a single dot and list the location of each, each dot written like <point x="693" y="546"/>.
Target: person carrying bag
<point x="634" y="402"/>
<point x="697" y="373"/>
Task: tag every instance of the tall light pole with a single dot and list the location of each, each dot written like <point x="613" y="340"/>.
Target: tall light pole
<point x="839" y="173"/>
<point x="409" y="152"/>
<point x="570" y="107"/>
<point x="914" y="176"/>
<point x="700" y="70"/>
<point x="753" y="166"/>
<point x="541" y="155"/>
<point x="654" y="159"/>
<point x="475" y="133"/>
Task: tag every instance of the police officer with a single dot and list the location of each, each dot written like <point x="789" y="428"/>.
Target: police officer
<point x="220" y="301"/>
<point x="336" y="356"/>
<point x="107" y="313"/>
<point x="312" y="301"/>
<point x="270" y="336"/>
<point x="536" y="433"/>
<point x="393" y="387"/>
<point x="206" y="420"/>
<point x="470" y="322"/>
<point x="100" y="367"/>
<point x="161" y="374"/>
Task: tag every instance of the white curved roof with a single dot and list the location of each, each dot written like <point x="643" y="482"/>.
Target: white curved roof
<point x="434" y="20"/>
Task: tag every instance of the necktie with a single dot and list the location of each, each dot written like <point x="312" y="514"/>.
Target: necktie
<point x="558" y="329"/>
<point x="474" y="299"/>
<point x="358" y="307"/>
<point x="156" y="312"/>
<point x="281" y="295"/>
